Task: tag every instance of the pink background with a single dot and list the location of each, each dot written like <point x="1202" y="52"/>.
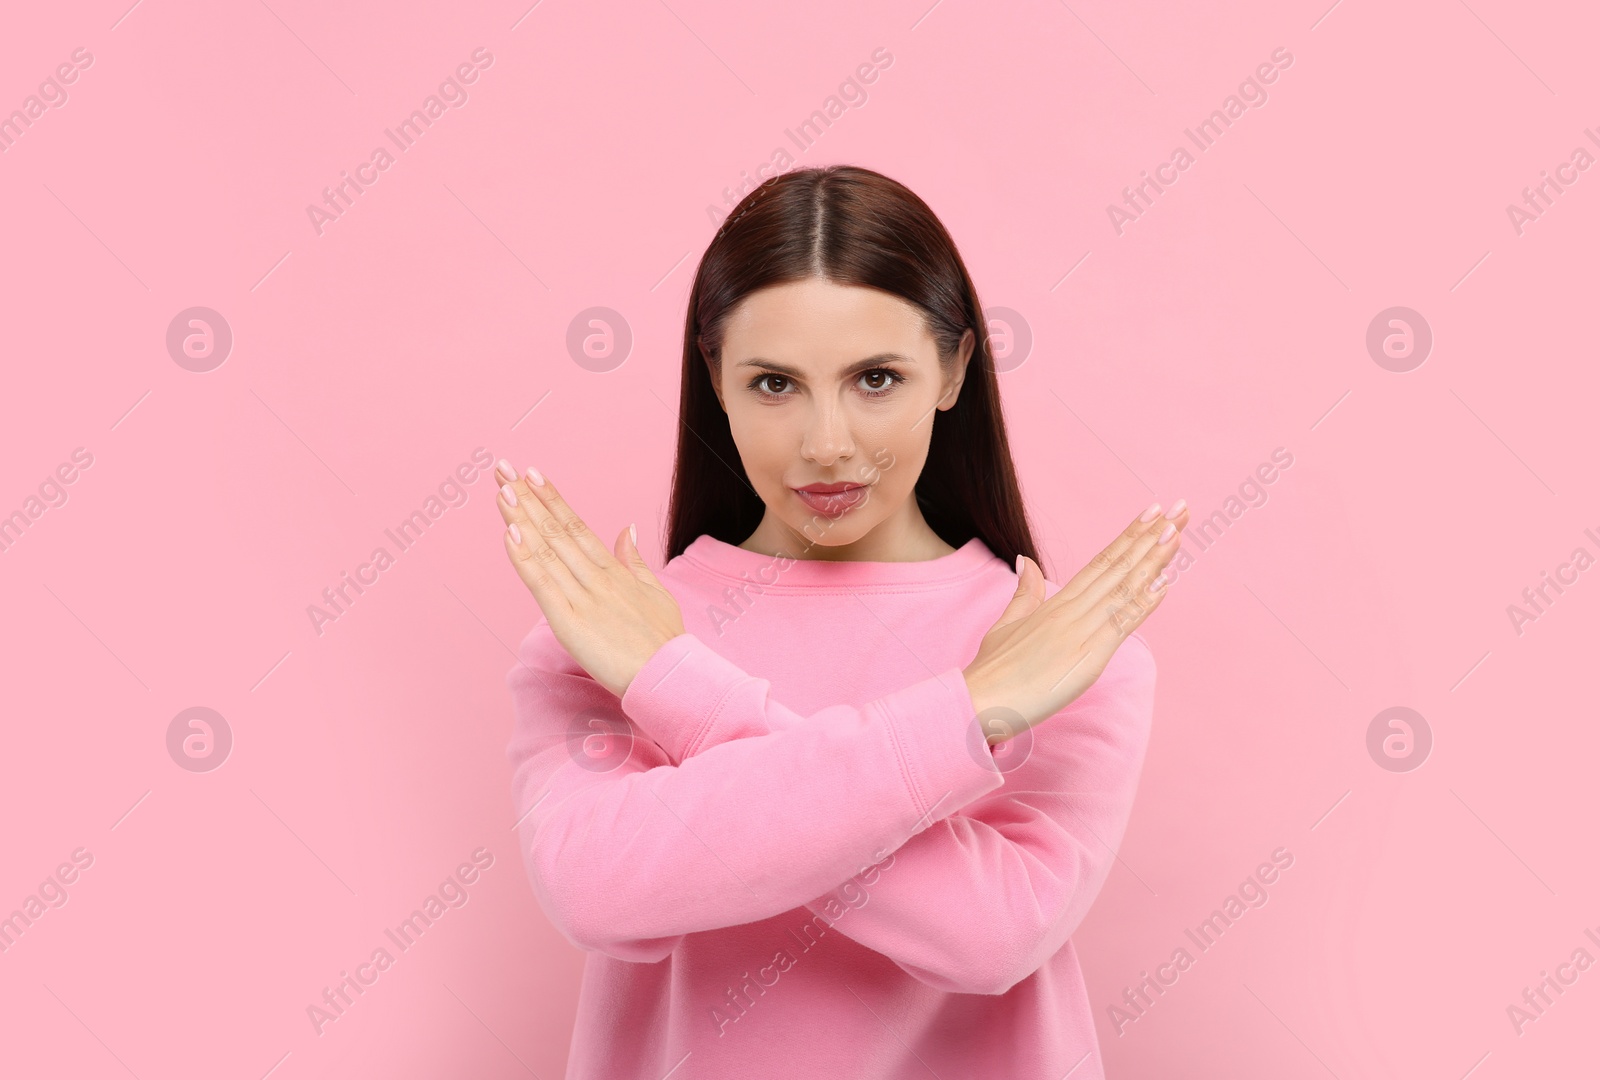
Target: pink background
<point x="370" y="361"/>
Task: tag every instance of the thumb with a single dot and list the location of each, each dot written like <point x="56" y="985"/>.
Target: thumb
<point x="1029" y="594"/>
<point x="627" y="552"/>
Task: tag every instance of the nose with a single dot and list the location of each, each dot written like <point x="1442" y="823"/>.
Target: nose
<point x="827" y="436"/>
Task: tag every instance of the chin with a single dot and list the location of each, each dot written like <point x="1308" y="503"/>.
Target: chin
<point x="833" y="533"/>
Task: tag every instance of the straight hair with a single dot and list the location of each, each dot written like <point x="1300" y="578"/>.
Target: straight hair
<point x="849" y="226"/>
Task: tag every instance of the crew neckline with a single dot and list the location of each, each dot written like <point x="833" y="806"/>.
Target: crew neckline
<point x="735" y="563"/>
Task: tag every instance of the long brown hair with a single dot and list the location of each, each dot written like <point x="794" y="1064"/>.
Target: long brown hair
<point x="851" y="226"/>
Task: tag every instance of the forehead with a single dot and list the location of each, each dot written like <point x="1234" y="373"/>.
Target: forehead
<point x="823" y="323"/>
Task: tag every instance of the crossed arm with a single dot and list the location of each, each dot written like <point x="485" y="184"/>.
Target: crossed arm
<point x="717" y="806"/>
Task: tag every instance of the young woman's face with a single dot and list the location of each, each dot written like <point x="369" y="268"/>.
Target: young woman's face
<point x="828" y="384"/>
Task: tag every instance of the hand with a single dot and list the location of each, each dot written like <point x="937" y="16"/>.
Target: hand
<point x="1042" y="654"/>
<point x="609" y="612"/>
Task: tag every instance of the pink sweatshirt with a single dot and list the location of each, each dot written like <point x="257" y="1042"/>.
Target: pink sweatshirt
<point x="788" y="851"/>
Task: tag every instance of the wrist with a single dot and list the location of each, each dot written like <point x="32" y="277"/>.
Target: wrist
<point x="993" y="708"/>
<point x="978" y="689"/>
<point x="647" y="652"/>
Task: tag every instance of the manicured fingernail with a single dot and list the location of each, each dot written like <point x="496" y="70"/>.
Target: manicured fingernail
<point x="511" y="496"/>
<point x="633" y="534"/>
<point x="516" y="533"/>
<point x="1150" y="514"/>
<point x="505" y="467"/>
<point x="1155" y="586"/>
<point x="1168" y="533"/>
<point x="1177" y="508"/>
<point x="536" y="476"/>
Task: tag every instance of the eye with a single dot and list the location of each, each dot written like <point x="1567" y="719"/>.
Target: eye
<point x="755" y="384"/>
<point x="874" y="384"/>
<point x="879" y="389"/>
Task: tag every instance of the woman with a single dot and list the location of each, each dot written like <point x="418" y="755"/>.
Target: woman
<point x="828" y="797"/>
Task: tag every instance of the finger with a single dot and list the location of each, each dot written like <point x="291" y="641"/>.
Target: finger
<point x="1149" y="576"/>
<point x="1129" y="545"/>
<point x="565" y="531"/>
<point x="1124" y="618"/>
<point x="532" y="550"/>
<point x="545" y="576"/>
<point x="1035" y="577"/>
<point x="1124" y="612"/>
<point x="573" y="528"/>
<point x="1149" y="521"/>
<point x="636" y="561"/>
<point x="627" y="552"/>
<point x="1103" y="641"/>
<point x="505" y="474"/>
<point x="1133" y="570"/>
<point x="1107" y="567"/>
<point x="1029" y="594"/>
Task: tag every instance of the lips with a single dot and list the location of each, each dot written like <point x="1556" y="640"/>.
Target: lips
<point x="832" y="500"/>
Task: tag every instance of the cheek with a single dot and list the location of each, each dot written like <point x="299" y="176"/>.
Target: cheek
<point x="765" y="444"/>
<point x="895" y="452"/>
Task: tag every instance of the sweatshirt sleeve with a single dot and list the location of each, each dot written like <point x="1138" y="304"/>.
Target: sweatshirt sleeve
<point x="984" y="897"/>
<point x="630" y="845"/>
<point x="1014" y="872"/>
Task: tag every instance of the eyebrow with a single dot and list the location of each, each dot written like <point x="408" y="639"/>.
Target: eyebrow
<point x="860" y="365"/>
